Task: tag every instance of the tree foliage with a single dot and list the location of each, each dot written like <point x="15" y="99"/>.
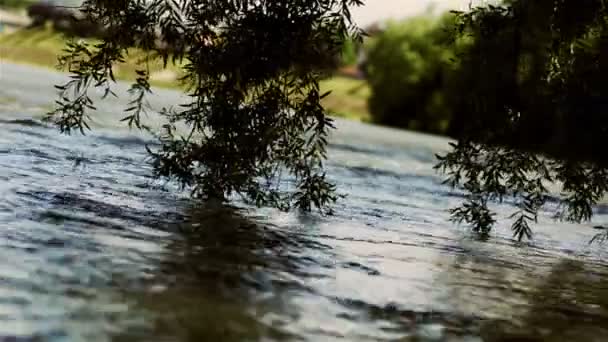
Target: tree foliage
<point x="533" y="111"/>
<point x="251" y="70"/>
<point x="409" y="66"/>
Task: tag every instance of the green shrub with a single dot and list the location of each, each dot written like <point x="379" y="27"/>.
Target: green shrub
<point x="409" y="67"/>
<point x="349" y="52"/>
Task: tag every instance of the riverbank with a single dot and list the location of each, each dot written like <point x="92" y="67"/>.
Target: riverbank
<point x="41" y="47"/>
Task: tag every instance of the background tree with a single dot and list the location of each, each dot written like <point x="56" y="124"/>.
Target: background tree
<point x="256" y="127"/>
<point x="409" y="66"/>
<point x="533" y="110"/>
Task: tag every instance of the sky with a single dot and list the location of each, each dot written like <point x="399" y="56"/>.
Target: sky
<point x="376" y="10"/>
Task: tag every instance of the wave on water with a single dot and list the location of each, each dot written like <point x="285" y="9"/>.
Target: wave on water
<point x="24" y="122"/>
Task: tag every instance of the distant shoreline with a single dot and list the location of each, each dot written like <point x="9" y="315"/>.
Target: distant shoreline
<point x="41" y="47"/>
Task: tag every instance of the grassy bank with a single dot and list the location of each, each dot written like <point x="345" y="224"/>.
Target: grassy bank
<point x="42" y="46"/>
<point x="15" y="4"/>
<point x="348" y="98"/>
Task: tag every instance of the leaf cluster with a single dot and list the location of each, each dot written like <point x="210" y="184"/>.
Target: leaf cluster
<point x="533" y="109"/>
<point x="251" y="69"/>
<point x="408" y="68"/>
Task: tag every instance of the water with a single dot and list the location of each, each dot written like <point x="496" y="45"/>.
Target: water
<point x="93" y="249"/>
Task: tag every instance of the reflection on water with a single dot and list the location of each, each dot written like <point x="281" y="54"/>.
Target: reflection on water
<point x="566" y="300"/>
<point x="229" y="279"/>
<point x="234" y="279"/>
<point x="570" y="303"/>
<point x="96" y="250"/>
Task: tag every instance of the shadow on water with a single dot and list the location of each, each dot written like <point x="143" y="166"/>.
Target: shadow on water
<point x="231" y="278"/>
<point x="227" y="278"/>
<point x="568" y="304"/>
<point x="566" y="301"/>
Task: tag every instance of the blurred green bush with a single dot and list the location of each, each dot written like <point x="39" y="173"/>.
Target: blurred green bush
<point x="411" y="69"/>
<point x="349" y="52"/>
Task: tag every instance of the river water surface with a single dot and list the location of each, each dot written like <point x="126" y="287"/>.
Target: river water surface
<point x="93" y="249"/>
